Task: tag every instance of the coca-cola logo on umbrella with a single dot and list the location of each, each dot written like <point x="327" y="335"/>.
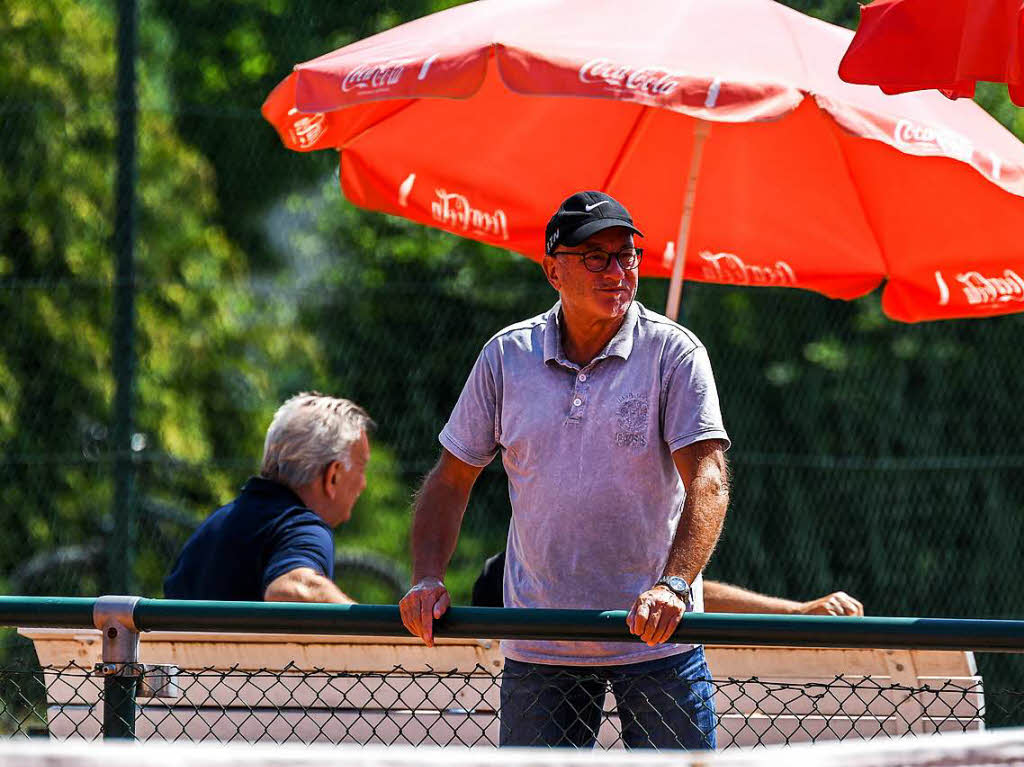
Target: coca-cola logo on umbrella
<point x="455" y="211"/>
<point x="651" y="80"/>
<point x="981" y="290"/>
<point x="919" y="138"/>
<point x="374" y="77"/>
<point x="728" y="268"/>
<point x="307" y="130"/>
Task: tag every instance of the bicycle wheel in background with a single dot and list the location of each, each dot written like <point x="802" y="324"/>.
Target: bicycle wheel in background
<point x="370" y="578"/>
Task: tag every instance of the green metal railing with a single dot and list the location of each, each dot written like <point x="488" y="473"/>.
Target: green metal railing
<point x="122" y="619"/>
<point x="502" y="623"/>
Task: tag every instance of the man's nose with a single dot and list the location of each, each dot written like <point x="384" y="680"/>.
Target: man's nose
<point x="614" y="269"/>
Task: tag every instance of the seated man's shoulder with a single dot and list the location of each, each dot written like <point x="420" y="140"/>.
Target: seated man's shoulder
<point x="300" y="516"/>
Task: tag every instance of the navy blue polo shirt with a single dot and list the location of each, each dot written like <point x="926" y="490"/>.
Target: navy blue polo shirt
<point x="265" y="532"/>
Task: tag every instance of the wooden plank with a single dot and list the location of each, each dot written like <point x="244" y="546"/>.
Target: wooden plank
<point x="199" y="649"/>
<point x="945" y="664"/>
<point x="785" y="662"/>
<point x="56" y="634"/>
<point x="57" y="647"/>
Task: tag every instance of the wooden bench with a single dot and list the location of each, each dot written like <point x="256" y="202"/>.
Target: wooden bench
<point x="778" y="695"/>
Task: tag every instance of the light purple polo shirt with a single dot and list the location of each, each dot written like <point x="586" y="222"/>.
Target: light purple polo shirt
<point x="588" y="452"/>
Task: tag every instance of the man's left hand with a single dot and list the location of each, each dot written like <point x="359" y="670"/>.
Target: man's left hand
<point x="655" y="615"/>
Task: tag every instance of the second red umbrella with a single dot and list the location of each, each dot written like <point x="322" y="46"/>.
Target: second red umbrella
<point x="948" y="45"/>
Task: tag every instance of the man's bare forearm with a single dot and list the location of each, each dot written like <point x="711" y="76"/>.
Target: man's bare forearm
<point x="725" y="598"/>
<point x="700" y="524"/>
<point x="699" y="528"/>
<point x="437" y="517"/>
<point x="305" y="585"/>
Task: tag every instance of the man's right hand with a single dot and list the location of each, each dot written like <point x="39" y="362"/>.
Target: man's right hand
<point x="424" y="603"/>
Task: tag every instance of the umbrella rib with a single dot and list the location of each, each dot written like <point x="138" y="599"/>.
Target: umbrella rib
<point x="627" y="147"/>
<point x="783" y="14"/>
<point x="834" y="127"/>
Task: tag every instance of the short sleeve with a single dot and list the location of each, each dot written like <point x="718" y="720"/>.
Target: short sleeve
<point x="470" y="434"/>
<point x="300" y="541"/>
<point x="691" y="408"/>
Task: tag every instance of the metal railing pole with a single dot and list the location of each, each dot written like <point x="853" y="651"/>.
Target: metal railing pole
<point x="51" y="612"/>
<point x="489" y="622"/>
<point x="585" y="625"/>
<point x="114" y="616"/>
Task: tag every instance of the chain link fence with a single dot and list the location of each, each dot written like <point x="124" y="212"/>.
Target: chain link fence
<point x="463" y="707"/>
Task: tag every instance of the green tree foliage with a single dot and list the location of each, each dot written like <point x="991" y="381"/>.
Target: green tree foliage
<point x="227" y="57"/>
<point x="209" y="368"/>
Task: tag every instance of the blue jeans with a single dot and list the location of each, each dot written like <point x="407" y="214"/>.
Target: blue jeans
<point x="664" y="703"/>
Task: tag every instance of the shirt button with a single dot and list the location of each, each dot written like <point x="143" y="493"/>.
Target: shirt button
<point x="577" y="402"/>
<point x="583" y="376"/>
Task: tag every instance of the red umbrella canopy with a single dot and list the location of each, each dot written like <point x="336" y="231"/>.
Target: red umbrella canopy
<point x="481" y="119"/>
<point x="909" y="45"/>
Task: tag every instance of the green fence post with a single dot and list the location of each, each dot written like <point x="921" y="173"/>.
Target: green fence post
<point x="115" y="617"/>
<point x="121" y="551"/>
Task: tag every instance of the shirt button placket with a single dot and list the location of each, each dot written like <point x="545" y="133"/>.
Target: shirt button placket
<point x="579" y="395"/>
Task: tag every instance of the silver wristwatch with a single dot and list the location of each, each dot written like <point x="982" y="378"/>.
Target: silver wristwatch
<point x="679" y="587"/>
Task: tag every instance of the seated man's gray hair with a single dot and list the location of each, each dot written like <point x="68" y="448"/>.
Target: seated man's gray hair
<point x="308" y="433"/>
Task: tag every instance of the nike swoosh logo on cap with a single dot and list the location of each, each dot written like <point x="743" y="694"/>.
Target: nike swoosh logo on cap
<point x="589" y="208"/>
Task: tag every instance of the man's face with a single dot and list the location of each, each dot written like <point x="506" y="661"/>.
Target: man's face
<point x="350" y="482"/>
<point x="602" y="295"/>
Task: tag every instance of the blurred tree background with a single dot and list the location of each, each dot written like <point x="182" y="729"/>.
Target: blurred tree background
<point x="871" y="456"/>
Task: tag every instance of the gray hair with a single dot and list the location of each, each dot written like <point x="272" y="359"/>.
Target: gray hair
<point x="308" y="433"/>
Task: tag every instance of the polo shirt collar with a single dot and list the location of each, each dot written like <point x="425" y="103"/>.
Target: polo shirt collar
<point x="264" y="486"/>
<point x="621" y="344"/>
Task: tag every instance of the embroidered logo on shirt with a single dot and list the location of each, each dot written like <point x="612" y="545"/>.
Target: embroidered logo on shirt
<point x="632" y="415"/>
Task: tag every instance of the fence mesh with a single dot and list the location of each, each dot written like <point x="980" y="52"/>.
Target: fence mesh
<point x="463" y="707"/>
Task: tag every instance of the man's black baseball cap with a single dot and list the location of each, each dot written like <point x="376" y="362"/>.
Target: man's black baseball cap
<point x="584" y="214"/>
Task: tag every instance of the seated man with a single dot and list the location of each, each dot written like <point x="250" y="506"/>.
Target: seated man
<point x="275" y="541"/>
<point x="718" y="597"/>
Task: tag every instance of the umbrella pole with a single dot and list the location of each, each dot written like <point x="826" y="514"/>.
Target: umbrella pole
<point x="701" y="131"/>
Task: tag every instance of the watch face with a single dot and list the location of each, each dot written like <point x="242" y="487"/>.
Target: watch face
<point x="678" y="584"/>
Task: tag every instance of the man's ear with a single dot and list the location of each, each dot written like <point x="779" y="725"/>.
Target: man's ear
<point x="331" y="479"/>
<point x="550" y="266"/>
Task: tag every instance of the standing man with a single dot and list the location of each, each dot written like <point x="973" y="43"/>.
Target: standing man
<point x="275" y="541"/>
<point x="607" y="420"/>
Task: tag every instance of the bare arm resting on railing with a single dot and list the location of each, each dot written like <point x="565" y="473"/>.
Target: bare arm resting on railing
<point x="725" y="598"/>
<point x="701" y="466"/>
<point x="304" y="584"/>
<point x="437" y="518"/>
